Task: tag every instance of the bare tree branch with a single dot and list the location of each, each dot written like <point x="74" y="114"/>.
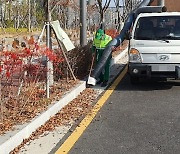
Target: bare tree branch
<point x="106" y="5"/>
<point x="102" y="9"/>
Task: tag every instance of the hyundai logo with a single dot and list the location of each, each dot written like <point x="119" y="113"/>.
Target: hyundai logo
<point x="163" y="57"/>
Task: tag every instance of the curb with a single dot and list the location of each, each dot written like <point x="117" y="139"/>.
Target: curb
<point x="9" y="141"/>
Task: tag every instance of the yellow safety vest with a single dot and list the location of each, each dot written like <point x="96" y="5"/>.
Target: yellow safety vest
<point x="101" y="43"/>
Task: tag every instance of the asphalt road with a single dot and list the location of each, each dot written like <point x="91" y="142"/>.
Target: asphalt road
<point x="136" y="119"/>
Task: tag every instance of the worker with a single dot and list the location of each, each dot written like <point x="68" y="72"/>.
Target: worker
<point x="99" y="43"/>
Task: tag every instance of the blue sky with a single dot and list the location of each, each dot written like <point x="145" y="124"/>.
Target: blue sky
<point x="112" y="2"/>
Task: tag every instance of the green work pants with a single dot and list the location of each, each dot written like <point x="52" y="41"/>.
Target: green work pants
<point x="104" y="76"/>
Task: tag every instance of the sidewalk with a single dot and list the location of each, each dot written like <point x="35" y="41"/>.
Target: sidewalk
<point x="13" y="138"/>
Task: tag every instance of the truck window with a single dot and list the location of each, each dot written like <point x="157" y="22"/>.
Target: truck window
<point x="157" y="28"/>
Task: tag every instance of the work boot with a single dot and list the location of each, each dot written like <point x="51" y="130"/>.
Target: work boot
<point x="104" y="84"/>
<point x="89" y="86"/>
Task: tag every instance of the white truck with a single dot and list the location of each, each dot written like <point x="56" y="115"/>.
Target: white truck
<point x="155" y="46"/>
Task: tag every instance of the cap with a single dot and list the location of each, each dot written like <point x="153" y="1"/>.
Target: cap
<point x="99" y="34"/>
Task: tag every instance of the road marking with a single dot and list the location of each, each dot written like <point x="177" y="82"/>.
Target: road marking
<point x="71" y="140"/>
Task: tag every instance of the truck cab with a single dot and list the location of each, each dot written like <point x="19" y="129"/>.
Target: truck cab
<point x="154" y="50"/>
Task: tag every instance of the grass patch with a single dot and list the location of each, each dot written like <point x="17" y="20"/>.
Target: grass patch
<point x="12" y="30"/>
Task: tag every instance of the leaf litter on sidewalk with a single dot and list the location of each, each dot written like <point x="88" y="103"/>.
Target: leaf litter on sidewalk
<point x="74" y="111"/>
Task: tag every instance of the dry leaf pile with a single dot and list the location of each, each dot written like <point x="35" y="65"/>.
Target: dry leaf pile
<point x="30" y="103"/>
<point x="75" y="110"/>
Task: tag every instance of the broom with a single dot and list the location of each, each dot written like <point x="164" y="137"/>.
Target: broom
<point x="91" y="81"/>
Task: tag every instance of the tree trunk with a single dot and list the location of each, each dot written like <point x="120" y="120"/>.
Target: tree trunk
<point x="29" y="15"/>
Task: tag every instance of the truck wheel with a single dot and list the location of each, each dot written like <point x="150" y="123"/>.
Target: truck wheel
<point x="134" y="80"/>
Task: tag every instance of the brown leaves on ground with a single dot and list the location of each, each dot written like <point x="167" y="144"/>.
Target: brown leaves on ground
<point x="74" y="111"/>
<point x="31" y="102"/>
<point x="31" y="40"/>
<point x="15" y="44"/>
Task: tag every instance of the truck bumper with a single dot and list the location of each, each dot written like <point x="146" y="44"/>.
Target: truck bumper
<point x="145" y="70"/>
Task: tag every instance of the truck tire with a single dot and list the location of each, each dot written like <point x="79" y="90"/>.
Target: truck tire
<point x="134" y="80"/>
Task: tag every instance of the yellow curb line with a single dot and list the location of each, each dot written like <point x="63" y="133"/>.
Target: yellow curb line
<point x="71" y="140"/>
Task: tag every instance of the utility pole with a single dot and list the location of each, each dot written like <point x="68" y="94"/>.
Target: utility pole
<point x="83" y="24"/>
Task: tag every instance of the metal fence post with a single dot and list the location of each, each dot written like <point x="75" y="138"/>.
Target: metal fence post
<point x="49" y="76"/>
